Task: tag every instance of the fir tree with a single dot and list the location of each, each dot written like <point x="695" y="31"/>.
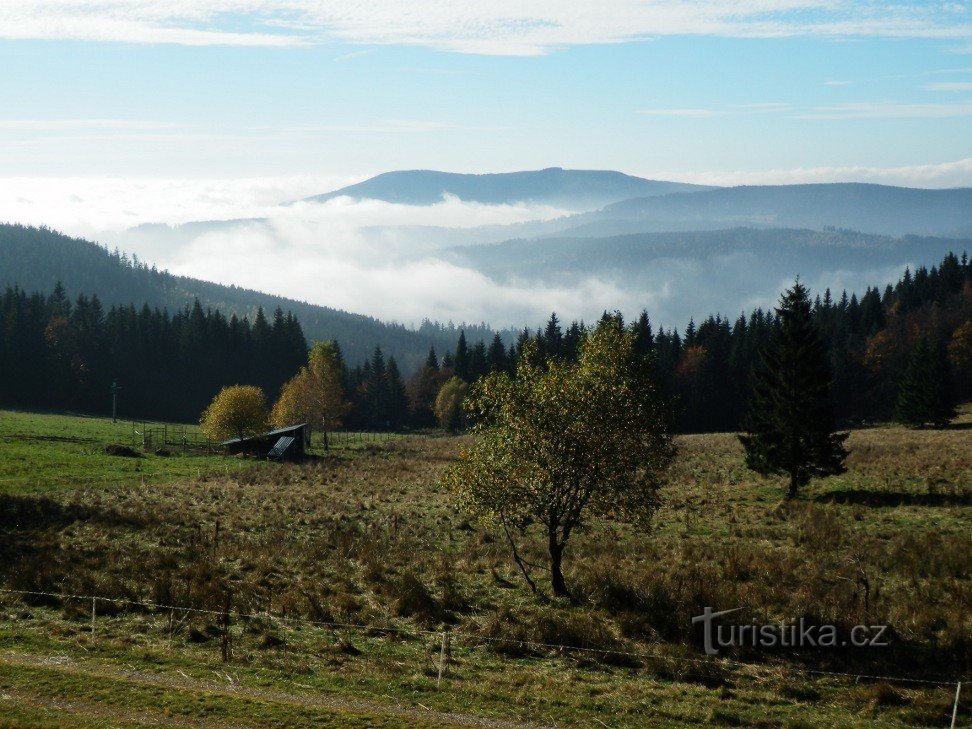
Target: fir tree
<point x="925" y="393"/>
<point x="460" y="363"/>
<point x="496" y="356"/>
<point x="790" y="426"/>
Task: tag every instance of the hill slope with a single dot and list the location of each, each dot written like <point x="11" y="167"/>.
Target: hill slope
<point x="863" y="207"/>
<point x="37" y="258"/>
<point x="679" y="275"/>
<point x="579" y="189"/>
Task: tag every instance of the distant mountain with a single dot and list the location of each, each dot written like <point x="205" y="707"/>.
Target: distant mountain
<point x="868" y="208"/>
<point x="37" y="258"/>
<point x="572" y="189"/>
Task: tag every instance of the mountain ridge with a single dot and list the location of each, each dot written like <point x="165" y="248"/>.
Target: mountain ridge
<point x="553" y="185"/>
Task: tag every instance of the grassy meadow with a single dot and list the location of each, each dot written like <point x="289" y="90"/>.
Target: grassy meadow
<point x="367" y="537"/>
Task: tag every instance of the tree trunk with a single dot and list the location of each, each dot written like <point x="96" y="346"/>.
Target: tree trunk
<point x="792" y="491"/>
<point x="556" y="567"/>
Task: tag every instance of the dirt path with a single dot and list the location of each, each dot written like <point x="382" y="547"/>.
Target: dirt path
<point x="66" y="664"/>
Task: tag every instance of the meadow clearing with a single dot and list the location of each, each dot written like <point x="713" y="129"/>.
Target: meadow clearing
<point x="343" y="572"/>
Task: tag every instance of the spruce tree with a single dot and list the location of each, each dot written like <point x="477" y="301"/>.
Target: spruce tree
<point x="496" y="358"/>
<point x="461" y="359"/>
<point x="925" y="393"/>
<point x="790" y="425"/>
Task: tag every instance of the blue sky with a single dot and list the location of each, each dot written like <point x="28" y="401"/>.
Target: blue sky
<point x="735" y="91"/>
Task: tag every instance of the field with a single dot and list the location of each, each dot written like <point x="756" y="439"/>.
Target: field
<point x="340" y="576"/>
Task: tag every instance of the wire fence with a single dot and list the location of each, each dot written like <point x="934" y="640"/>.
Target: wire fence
<point x="469" y="639"/>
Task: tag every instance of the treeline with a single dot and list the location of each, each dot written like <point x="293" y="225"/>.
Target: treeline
<point x="64" y="355"/>
<point x="878" y="344"/>
<point x="914" y="335"/>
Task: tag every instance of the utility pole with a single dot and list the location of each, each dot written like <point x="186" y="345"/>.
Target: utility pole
<point x="114" y="400"/>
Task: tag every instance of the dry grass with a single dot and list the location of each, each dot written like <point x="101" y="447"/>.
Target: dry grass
<point x="373" y="539"/>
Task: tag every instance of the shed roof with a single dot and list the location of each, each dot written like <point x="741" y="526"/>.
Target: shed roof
<point x="278" y="431"/>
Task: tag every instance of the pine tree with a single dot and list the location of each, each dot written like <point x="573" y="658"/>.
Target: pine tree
<point x="925" y="393"/>
<point x="790" y="425"/>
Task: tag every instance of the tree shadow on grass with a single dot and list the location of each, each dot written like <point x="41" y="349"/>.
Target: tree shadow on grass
<point x="39" y="513"/>
<point x="32" y="556"/>
<point x="863" y="497"/>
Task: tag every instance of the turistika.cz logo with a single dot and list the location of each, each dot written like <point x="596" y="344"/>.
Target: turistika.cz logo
<point x="782" y="635"/>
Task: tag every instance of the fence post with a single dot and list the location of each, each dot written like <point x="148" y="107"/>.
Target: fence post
<point x="958" y="691"/>
<point x="93" y="614"/>
<point x="442" y="657"/>
<point x="226" y="648"/>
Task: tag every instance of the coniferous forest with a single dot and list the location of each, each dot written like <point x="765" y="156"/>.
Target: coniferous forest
<point x="62" y="355"/>
<point x="873" y="341"/>
<point x="903" y="352"/>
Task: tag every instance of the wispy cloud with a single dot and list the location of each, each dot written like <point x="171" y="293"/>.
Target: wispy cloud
<point x="950" y="86"/>
<point x="353" y="54"/>
<point x="391" y="126"/>
<point x="693" y="113"/>
<point x="85" y="124"/>
<point x="957" y="173"/>
<point x="887" y="110"/>
<point x="765" y="107"/>
<point x="501" y="27"/>
<point x="837" y="83"/>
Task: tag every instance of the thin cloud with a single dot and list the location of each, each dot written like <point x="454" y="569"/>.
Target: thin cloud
<point x="766" y="107"/>
<point x="392" y="126"/>
<point x="946" y="174"/>
<point x="693" y="113"/>
<point x="502" y="27"/>
<point x="887" y="110"/>
<point x="85" y="124"/>
<point x="950" y="86"/>
<point x="354" y="54"/>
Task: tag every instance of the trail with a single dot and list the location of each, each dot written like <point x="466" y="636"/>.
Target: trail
<point x="65" y="664"/>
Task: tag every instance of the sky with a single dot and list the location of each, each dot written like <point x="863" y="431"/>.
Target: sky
<point x="119" y="112"/>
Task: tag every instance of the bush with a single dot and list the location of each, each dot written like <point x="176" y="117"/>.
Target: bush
<point x="117" y="449"/>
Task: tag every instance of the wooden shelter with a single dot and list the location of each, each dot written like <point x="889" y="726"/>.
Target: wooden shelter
<point x="282" y="444"/>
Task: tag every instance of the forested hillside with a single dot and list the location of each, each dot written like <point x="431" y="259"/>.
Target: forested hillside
<point x="706" y="368"/>
<point x="64" y="355"/>
<point x="719" y="257"/>
<point x="36" y="259"/>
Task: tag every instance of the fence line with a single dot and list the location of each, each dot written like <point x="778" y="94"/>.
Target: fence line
<point x="476" y="638"/>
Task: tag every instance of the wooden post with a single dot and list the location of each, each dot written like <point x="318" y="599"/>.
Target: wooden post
<point x="958" y="691"/>
<point x="442" y="657"/>
<point x="225" y="619"/>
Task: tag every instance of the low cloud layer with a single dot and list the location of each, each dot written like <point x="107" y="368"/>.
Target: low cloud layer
<point x="371" y="257"/>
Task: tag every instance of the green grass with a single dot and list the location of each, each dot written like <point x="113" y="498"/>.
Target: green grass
<point x="131" y="666"/>
<point x="45" y="453"/>
<point x="366" y="535"/>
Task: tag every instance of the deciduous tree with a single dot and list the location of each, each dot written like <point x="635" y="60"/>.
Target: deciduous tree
<point x="562" y="442"/>
<point x="448" y="404"/>
<point x="315" y="394"/>
<point x="237" y="411"/>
